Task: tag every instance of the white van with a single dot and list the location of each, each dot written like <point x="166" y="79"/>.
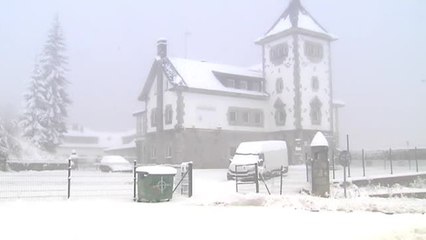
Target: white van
<point x="270" y="156"/>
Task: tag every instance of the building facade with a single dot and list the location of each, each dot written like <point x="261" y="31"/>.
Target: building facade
<point x="198" y="111"/>
<point x="91" y="146"/>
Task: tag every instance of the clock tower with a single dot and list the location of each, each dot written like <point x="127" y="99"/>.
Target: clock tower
<point x="297" y="70"/>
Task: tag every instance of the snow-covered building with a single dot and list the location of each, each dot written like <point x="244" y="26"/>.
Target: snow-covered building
<point x="199" y="111"/>
<point x="92" y="145"/>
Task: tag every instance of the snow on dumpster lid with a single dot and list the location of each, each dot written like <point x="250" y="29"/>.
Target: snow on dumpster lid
<point x="157" y="170"/>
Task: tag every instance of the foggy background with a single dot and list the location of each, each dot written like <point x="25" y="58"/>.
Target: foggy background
<point x="379" y="61"/>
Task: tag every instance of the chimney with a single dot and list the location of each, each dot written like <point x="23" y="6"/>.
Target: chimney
<point x="162" y="48"/>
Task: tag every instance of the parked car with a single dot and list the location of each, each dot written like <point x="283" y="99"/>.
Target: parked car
<point x="269" y="155"/>
<point x="115" y="164"/>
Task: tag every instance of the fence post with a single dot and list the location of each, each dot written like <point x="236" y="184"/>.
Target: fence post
<point x="344" y="180"/>
<point x="363" y="163"/>
<point x="236" y="178"/>
<point x="134" y="180"/>
<point x="190" y="179"/>
<point x="385" y="160"/>
<point x="281" y="180"/>
<point x="256" y="178"/>
<point x="307" y="167"/>
<point x="417" y="161"/>
<point x="69" y="178"/>
<point x="347" y="148"/>
<point x="409" y="159"/>
<point x="333" y="162"/>
<point x="390" y="160"/>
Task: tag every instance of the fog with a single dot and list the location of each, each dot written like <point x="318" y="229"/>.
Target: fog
<point x="378" y="62"/>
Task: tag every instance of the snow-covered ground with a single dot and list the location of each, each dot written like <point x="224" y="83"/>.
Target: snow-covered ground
<point x="215" y="211"/>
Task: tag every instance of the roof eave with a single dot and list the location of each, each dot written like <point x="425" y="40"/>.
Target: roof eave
<point x="224" y="93"/>
<point x="266" y="39"/>
<point x="148" y="82"/>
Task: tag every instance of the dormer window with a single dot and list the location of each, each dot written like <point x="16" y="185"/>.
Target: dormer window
<point x="254" y="86"/>
<point x="243" y="85"/>
<point x="243" y="82"/>
<point x="231" y="83"/>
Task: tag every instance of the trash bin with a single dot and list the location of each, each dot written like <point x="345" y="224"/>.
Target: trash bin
<point x="155" y="183"/>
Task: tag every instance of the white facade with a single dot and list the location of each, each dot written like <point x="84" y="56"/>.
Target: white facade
<point x="211" y="112"/>
<point x="321" y="70"/>
<point x="289" y="99"/>
<point x="285" y="72"/>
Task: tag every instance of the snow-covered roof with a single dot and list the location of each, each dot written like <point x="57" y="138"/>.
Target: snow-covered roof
<point x="338" y="103"/>
<point x="140" y="111"/>
<point x="104" y="139"/>
<point x="296" y="17"/>
<point x="261" y="147"/>
<point x="201" y="75"/>
<point x="319" y="140"/>
<point x="122" y="146"/>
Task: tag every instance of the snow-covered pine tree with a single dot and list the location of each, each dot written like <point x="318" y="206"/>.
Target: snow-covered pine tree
<point x="53" y="72"/>
<point x="33" y="120"/>
<point x="47" y="99"/>
<point x="3" y="141"/>
<point x="9" y="144"/>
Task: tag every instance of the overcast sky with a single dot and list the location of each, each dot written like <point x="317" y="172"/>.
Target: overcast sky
<point x="379" y="61"/>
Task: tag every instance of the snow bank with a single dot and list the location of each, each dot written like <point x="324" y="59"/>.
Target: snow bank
<point x="125" y="220"/>
<point x="311" y="203"/>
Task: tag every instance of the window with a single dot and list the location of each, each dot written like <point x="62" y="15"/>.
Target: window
<point x="232" y="116"/>
<point x="153" y="153"/>
<point x="257" y="118"/>
<point x="314" y="51"/>
<point x="169" y="152"/>
<point x="243" y="85"/>
<point x="169" y="114"/>
<point x="254" y="86"/>
<point x="278" y="53"/>
<point x="280" y="113"/>
<point x="231" y="83"/>
<point x="245" y="117"/>
<point x="279" y="85"/>
<point x="280" y="117"/>
<point x="315" y="83"/>
<point x="316" y="115"/>
<point x="153" y="117"/>
<point x="139" y="124"/>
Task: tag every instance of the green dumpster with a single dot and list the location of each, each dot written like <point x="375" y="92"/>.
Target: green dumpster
<point x="155" y="183"/>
